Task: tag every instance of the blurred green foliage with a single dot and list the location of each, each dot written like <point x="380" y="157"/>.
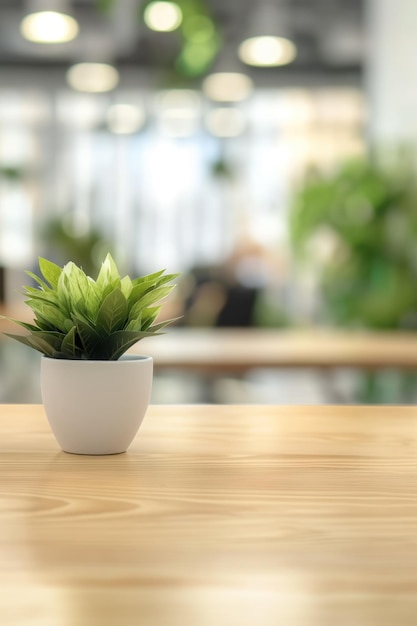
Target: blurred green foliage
<point x="63" y="244"/>
<point x="12" y="173"/>
<point x="199" y="37"/>
<point x="370" y="214"/>
<point x="368" y="277"/>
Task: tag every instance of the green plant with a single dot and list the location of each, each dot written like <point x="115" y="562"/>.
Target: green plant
<point x="60" y="237"/>
<point x="368" y="215"/>
<point x="198" y="37"/>
<point x="77" y="317"/>
<point x="367" y="279"/>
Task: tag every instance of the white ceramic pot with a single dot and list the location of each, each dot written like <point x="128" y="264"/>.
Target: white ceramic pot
<point x="96" y="407"/>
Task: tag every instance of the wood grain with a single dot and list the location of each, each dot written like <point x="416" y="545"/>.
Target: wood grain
<point x="216" y="515"/>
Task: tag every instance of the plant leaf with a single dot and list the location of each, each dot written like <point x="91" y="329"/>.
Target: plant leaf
<point x="153" y="281"/>
<point x="149" y="315"/>
<point x="112" y="313"/>
<point x="149" y="278"/>
<point x="47" y="345"/>
<point x="50" y="314"/>
<point x="149" y="298"/>
<point x="40" y="294"/>
<point x="25" y="325"/>
<point x="76" y="283"/>
<point x="166" y="279"/>
<point x="126" y="286"/>
<point x="68" y="346"/>
<point x="93" y="299"/>
<point x="161" y="325"/>
<point x="156" y="295"/>
<point x="108" y="272"/>
<point x="50" y="271"/>
<point x="135" y="323"/>
<point x="121" y="341"/>
<point x="63" y="294"/>
<point x="36" y="278"/>
<point x="89" y="337"/>
<point x="138" y="291"/>
<point x="27" y="340"/>
<point x="79" y="318"/>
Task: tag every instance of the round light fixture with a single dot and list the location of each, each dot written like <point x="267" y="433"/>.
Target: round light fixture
<point x="162" y="16"/>
<point x="227" y="86"/>
<point x="92" y="77"/>
<point x="267" y="51"/>
<point x="49" y="27"/>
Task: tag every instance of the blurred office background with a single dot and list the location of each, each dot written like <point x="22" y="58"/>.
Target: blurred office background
<point x="276" y="174"/>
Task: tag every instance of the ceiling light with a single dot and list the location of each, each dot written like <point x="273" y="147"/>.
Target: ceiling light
<point x="162" y="16"/>
<point x="125" y="119"/>
<point x="266" y="51"/>
<point x="227" y="86"/>
<point x="225" y="122"/>
<point x="92" y="77"/>
<point x="49" y="27"/>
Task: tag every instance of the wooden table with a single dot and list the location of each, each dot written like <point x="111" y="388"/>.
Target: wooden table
<point x="215" y="516"/>
<point x="239" y="350"/>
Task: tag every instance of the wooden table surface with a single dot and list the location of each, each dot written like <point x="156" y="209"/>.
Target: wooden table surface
<point x="239" y="350"/>
<point x="217" y="515"/>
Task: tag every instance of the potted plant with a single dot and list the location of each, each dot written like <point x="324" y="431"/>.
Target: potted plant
<point x="95" y="396"/>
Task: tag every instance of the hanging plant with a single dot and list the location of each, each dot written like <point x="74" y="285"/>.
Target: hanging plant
<point x="198" y="34"/>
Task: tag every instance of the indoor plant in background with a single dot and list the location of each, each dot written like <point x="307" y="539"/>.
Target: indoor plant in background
<point x="364" y="215"/>
<point x="95" y="396"/>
